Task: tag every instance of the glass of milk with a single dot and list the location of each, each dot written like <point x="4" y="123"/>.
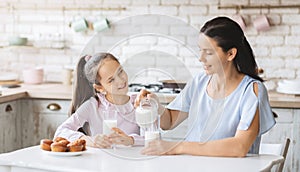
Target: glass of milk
<point x="109" y="121"/>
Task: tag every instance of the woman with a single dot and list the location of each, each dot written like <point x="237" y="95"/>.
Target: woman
<point x="103" y="73"/>
<point x="227" y="105"/>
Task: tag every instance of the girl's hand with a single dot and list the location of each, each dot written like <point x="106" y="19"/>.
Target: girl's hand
<point x="120" y="138"/>
<point x="101" y="141"/>
<point x="98" y="141"/>
<point x="161" y="147"/>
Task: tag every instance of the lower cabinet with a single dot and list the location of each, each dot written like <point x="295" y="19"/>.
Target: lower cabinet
<point x="287" y="126"/>
<point x="9" y="127"/>
<point x="40" y="119"/>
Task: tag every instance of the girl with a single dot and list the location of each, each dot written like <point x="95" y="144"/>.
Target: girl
<point x="227" y="105"/>
<point x="106" y="76"/>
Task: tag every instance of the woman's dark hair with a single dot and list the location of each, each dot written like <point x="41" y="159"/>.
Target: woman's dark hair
<point x="228" y="34"/>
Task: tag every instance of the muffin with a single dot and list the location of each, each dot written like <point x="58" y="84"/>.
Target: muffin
<point x="58" y="147"/>
<point x="45" y="144"/>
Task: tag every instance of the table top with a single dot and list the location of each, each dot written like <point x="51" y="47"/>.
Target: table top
<point x="130" y="159"/>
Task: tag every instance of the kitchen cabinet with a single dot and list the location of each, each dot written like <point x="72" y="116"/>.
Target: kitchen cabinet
<point x="40" y="118"/>
<point x="9" y="126"/>
<point x="287" y="126"/>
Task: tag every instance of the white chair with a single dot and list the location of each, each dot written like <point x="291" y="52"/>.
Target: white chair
<point x="277" y="149"/>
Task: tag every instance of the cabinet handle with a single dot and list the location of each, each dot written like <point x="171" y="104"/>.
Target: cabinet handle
<point x="8" y="108"/>
<point x="53" y="107"/>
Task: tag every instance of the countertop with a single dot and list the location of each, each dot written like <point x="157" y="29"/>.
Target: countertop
<point x="128" y="159"/>
<point x="41" y="91"/>
<point x="64" y="92"/>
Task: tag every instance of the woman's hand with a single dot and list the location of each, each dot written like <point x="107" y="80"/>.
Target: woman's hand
<point x="161" y="147"/>
<point x="120" y="138"/>
<point x="144" y="94"/>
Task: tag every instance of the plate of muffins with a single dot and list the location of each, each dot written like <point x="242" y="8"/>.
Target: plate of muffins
<point x="62" y="147"/>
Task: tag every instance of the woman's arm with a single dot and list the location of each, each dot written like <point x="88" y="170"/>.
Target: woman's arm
<point x="171" y="118"/>
<point x="236" y="146"/>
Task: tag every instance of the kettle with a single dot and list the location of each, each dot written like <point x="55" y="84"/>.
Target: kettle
<point x="147" y="118"/>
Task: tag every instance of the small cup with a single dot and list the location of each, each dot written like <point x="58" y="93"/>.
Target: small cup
<point x="239" y="19"/>
<point x="100" y="25"/>
<point x="261" y="23"/>
<point x="79" y="25"/>
<point x="67" y="76"/>
<point x="33" y="76"/>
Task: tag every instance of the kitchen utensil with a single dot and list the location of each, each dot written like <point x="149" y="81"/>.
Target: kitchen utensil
<point x="67" y="76"/>
<point x="173" y="84"/>
<point x="8" y="76"/>
<point x="79" y="25"/>
<point x="239" y="19"/>
<point x="100" y="25"/>
<point x="289" y="86"/>
<point x="33" y="76"/>
<point x="10" y="86"/>
<point x="147" y="118"/>
<point x="261" y="23"/>
<point x="17" y="40"/>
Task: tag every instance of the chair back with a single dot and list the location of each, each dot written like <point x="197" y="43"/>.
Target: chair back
<point x="276" y="149"/>
<point x="284" y="152"/>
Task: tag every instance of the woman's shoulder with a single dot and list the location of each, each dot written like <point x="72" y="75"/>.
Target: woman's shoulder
<point x="249" y="81"/>
<point x="249" y="84"/>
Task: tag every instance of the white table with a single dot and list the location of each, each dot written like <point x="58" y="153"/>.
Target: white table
<point x="128" y="159"/>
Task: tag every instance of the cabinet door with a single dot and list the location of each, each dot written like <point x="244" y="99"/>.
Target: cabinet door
<point x="9" y="139"/>
<point x="43" y="119"/>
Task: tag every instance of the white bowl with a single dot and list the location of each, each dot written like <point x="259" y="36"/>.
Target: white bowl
<point x="7" y="76"/>
<point x="289" y="86"/>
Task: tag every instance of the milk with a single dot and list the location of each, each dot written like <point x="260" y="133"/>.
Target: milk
<point x="150" y="136"/>
<point x="145" y="117"/>
<point x="108" y="125"/>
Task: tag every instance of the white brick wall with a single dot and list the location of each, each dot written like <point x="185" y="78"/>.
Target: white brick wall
<point x="277" y="50"/>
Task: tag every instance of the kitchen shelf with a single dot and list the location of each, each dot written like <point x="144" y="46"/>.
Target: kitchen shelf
<point x="257" y="6"/>
<point x="29" y="48"/>
<point x="13" y="6"/>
